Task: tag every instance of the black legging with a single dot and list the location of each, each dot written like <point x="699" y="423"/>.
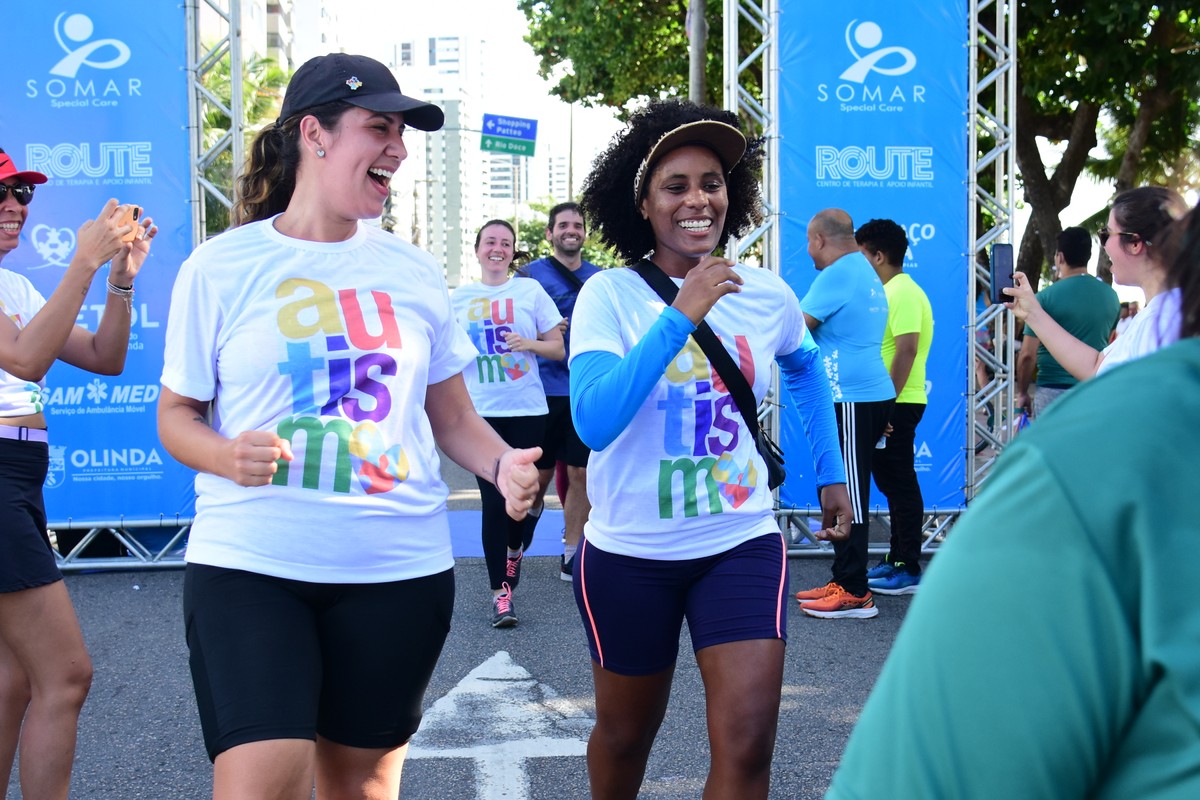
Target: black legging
<point x="500" y="531"/>
<point x="859" y="427"/>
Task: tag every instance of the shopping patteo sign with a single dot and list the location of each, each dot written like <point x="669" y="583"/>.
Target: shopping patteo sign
<point x="514" y="135"/>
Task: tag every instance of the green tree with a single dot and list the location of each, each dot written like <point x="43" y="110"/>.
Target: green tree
<point x="263" y="81"/>
<point x="1124" y="75"/>
<point x="531" y="237"/>
<point x="618" y="52"/>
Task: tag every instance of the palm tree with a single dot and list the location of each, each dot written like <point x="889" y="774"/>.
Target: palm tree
<point x="263" y="81"/>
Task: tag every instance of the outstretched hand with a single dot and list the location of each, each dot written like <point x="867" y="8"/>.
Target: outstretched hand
<point x="836" y="513"/>
<point x="517" y="480"/>
<point x="704" y="285"/>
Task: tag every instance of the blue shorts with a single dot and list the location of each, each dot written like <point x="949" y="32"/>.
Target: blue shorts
<point x="26" y="558"/>
<point x="633" y="608"/>
<point x="274" y="658"/>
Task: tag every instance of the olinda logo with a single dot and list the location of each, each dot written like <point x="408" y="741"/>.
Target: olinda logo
<point x="113" y="458"/>
<point x="70" y="85"/>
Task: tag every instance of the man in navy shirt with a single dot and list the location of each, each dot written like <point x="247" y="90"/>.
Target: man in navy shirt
<point x="562" y="275"/>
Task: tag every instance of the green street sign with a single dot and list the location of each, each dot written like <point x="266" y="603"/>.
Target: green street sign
<point x="503" y="144"/>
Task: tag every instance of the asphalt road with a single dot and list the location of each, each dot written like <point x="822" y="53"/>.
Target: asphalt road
<point x="508" y="711"/>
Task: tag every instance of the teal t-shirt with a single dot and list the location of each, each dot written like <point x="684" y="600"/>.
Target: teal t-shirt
<point x="1054" y="648"/>
<point x="1087" y="308"/>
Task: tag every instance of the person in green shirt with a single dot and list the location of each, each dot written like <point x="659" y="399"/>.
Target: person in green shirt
<point x="905" y="350"/>
<point x="1084" y="306"/>
<point x="1074" y="672"/>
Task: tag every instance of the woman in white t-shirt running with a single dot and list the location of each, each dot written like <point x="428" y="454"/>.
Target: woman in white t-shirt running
<point x="45" y="672"/>
<point x="312" y="362"/>
<point x="510" y="321"/>
<point x="1132" y="238"/>
<point x="682" y="524"/>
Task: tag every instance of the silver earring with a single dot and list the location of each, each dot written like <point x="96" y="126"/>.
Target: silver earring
<point x="320" y="153"/>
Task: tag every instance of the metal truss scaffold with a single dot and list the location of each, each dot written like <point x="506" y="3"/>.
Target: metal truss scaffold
<point x="992" y="115"/>
<point x="989" y="425"/>
<point x="143" y="544"/>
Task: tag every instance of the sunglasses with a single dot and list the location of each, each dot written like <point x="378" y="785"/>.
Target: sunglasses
<point x="21" y="192"/>
<point x="1104" y="233"/>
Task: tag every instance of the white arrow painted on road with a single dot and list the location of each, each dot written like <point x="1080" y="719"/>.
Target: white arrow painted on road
<point x="500" y="717"/>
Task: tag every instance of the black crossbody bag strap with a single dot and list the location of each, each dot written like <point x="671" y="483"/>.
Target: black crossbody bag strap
<point x="734" y="379"/>
<point x="570" y="276"/>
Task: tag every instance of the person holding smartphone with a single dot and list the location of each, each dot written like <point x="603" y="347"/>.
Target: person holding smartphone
<point x="1076" y="675"/>
<point x="313" y="368"/>
<point x="1081" y="304"/>
<point x="1132" y="239"/>
<point x="45" y="672"/>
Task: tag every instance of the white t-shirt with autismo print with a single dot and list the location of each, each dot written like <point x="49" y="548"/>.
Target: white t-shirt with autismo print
<point x="504" y="383"/>
<point x="331" y="345"/>
<point x="19" y="301"/>
<point x="679" y="482"/>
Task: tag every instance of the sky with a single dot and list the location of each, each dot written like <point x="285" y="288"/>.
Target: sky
<point x="370" y="26"/>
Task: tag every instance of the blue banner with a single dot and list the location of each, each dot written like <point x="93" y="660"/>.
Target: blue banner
<point x="873" y="119"/>
<point x="95" y="96"/>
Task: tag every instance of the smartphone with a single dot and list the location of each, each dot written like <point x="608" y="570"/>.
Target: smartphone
<point x="1002" y="272"/>
<point x="132" y="216"/>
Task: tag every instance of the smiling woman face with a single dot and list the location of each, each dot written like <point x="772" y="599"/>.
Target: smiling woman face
<point x="685" y="203"/>
<point x="361" y="155"/>
<point x="12" y="219"/>
<point x="495" y="253"/>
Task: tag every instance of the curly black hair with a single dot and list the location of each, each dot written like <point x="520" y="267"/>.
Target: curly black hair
<point x="607" y="192"/>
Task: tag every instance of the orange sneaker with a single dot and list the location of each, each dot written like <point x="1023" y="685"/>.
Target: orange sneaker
<point x="820" y="593"/>
<point x="841" y="604"/>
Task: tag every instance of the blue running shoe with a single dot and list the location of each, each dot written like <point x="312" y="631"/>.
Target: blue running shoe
<point x="901" y="581"/>
<point x="881" y="570"/>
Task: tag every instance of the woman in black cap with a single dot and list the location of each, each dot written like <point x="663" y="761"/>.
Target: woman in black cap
<point x="312" y="363"/>
<point x="682" y="523"/>
<point x="45" y="672"/>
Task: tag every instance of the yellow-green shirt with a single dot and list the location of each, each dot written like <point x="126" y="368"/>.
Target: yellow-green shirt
<point x="909" y="311"/>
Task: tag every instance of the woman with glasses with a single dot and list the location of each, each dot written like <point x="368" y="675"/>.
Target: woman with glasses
<point x="1132" y="239"/>
<point x="45" y="672"/>
<point x="1076" y="675"/>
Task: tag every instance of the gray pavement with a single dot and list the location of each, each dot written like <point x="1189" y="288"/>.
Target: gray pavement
<point x="508" y="711"/>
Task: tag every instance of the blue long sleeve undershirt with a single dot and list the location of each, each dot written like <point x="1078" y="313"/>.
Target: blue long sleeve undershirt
<point x="608" y="389"/>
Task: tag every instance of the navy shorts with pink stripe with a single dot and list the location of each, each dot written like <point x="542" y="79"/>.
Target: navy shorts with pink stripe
<point x="633" y="608"/>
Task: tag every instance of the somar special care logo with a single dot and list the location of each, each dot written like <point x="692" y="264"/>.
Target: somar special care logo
<point x="67" y="88"/>
<point x="88" y="75"/>
<point x="861" y="91"/>
<point x="856" y="93"/>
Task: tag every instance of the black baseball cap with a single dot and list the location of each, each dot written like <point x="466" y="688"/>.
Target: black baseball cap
<point x="360" y="81"/>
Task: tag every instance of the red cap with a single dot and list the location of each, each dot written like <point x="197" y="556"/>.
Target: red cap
<point x="9" y="170"/>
